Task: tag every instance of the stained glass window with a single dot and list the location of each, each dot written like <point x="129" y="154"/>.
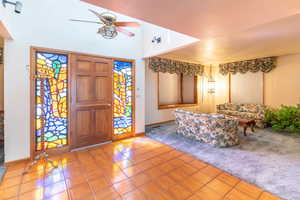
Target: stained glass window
<point x="123" y="97"/>
<point x="51" y="100"/>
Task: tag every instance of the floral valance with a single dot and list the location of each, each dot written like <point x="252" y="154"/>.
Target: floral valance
<point x="172" y="66"/>
<point x="255" y="65"/>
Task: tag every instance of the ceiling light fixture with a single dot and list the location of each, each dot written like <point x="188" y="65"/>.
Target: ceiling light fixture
<point x="18" y="5"/>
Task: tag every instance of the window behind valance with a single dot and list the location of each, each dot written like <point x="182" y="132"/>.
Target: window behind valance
<point x="255" y="65"/>
<point x="157" y="64"/>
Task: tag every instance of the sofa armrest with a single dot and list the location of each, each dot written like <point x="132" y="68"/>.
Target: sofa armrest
<point x="221" y="107"/>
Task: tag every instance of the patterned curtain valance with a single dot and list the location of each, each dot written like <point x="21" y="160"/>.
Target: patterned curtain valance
<point x="172" y="66"/>
<point x="255" y="65"/>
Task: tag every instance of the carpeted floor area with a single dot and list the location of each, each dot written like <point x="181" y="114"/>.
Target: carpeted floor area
<point x="2" y="171"/>
<point x="267" y="159"/>
<point x="2" y="168"/>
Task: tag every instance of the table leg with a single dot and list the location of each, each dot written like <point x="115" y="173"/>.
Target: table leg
<point x="252" y="127"/>
<point x="245" y="130"/>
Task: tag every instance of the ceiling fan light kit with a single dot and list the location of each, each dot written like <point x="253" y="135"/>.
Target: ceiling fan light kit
<point x="108" y="32"/>
<point x="110" y="27"/>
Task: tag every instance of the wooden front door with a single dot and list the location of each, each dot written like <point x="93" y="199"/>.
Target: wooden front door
<point x="91" y="100"/>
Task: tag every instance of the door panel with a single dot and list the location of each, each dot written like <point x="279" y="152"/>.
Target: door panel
<point x="84" y="122"/>
<point x="84" y="89"/>
<point x="102" y="67"/>
<point x="84" y="66"/>
<point x="102" y="90"/>
<point x="91" y="85"/>
<point x="103" y="122"/>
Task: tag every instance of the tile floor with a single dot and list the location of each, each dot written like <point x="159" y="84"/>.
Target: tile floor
<point x="133" y="169"/>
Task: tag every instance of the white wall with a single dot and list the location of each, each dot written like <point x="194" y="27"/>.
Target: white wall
<point x="1" y="87"/>
<point x="46" y="24"/>
<point x="282" y="85"/>
<point x="1" y="80"/>
<point x="154" y="115"/>
<point x="170" y="40"/>
<point x="4" y="21"/>
<point x="206" y="101"/>
<point x="247" y="88"/>
<point x="3" y="15"/>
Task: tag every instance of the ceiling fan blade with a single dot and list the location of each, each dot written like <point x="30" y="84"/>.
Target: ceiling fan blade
<point x="86" y="21"/>
<point x="121" y="30"/>
<point x="99" y="16"/>
<point x="128" y="24"/>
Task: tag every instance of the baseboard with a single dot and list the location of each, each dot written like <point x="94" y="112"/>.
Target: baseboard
<point x="158" y="123"/>
<point x="7" y="164"/>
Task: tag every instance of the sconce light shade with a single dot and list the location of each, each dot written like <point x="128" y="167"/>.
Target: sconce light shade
<point x="211" y="82"/>
<point x="211" y="86"/>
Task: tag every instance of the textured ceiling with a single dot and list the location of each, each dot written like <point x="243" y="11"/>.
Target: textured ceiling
<point x="203" y="18"/>
<point x="278" y="38"/>
<point x="228" y="30"/>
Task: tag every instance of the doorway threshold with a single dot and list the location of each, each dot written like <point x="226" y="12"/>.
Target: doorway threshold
<point x="90" y="146"/>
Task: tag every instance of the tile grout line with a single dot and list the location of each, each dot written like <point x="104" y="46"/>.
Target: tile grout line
<point x="111" y="184"/>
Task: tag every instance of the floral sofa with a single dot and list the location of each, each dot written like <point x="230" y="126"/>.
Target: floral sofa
<point x="255" y="111"/>
<point x="213" y="129"/>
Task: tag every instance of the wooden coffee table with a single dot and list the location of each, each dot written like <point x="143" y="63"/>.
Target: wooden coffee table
<point x="247" y="123"/>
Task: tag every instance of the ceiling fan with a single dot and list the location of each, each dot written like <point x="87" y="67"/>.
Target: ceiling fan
<point x="110" y="27"/>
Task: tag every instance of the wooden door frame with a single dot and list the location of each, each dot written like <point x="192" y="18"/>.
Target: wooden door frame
<point x="70" y="54"/>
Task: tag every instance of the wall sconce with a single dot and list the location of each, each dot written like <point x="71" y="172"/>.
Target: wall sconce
<point x="156" y="40"/>
<point x="18" y="5"/>
<point x="211" y="82"/>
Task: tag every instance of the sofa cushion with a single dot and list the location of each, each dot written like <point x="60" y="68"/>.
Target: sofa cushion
<point x="251" y="108"/>
<point x="228" y="112"/>
<point x="246" y="115"/>
<point x="197" y="113"/>
<point x="221" y="107"/>
<point x="231" y="106"/>
<point x="242" y="114"/>
<point x="256" y="111"/>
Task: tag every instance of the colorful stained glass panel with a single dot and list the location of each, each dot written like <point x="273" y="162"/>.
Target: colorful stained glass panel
<point x="123" y="91"/>
<point x="51" y="100"/>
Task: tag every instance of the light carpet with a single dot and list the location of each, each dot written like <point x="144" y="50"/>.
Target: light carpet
<point x="2" y="168"/>
<point x="265" y="158"/>
<point x="2" y="172"/>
